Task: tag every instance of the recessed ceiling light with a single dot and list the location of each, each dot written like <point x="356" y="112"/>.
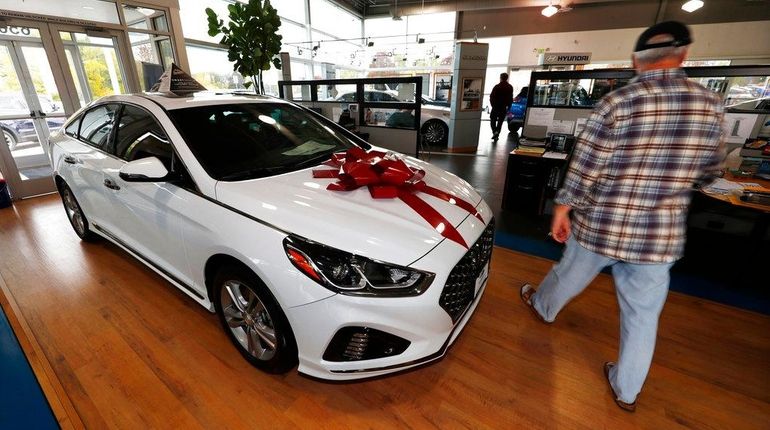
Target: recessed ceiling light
<point x="88" y="7"/>
<point x="549" y="11"/>
<point x="146" y="12"/>
<point x="692" y="5"/>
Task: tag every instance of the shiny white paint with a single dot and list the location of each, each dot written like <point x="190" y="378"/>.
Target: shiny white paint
<point x="176" y="231"/>
<point x="149" y="168"/>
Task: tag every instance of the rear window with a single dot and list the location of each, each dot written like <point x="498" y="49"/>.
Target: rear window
<point x="252" y="140"/>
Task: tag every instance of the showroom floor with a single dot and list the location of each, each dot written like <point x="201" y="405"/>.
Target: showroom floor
<point x="130" y="351"/>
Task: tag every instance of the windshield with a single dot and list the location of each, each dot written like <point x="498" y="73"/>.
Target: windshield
<point x="235" y="142"/>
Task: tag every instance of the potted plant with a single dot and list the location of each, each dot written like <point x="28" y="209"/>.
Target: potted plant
<point x="250" y="37"/>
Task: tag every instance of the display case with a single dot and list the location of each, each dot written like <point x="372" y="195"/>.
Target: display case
<point x="572" y="94"/>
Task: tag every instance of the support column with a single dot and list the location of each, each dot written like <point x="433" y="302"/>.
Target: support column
<point x="470" y="68"/>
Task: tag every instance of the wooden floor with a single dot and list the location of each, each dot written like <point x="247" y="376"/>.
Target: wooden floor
<point x="132" y="352"/>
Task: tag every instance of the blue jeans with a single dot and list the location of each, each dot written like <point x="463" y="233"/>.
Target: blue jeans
<point x="641" y="290"/>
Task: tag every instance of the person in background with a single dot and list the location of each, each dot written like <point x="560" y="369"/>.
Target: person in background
<point x="628" y="188"/>
<point x="500" y="99"/>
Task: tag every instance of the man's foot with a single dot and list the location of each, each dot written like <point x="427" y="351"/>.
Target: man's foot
<point x="527" y="290"/>
<point x="628" y="407"/>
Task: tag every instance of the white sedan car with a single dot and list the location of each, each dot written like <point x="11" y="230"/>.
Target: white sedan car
<point x="218" y="194"/>
<point x="434" y="115"/>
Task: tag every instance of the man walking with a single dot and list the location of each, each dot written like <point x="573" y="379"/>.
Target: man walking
<point x="628" y="187"/>
<point x="500" y="99"/>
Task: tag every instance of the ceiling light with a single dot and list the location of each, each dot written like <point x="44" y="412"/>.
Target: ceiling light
<point x="549" y="11"/>
<point x="692" y="5"/>
<point x="146" y="12"/>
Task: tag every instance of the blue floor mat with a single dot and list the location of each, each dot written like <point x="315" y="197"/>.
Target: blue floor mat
<point x="681" y="281"/>
<point x="22" y="403"/>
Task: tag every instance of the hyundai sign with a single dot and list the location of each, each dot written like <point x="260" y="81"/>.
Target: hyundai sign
<point x="564" y="58"/>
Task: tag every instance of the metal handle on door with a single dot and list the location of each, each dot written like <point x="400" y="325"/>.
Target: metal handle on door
<point x="109" y="183"/>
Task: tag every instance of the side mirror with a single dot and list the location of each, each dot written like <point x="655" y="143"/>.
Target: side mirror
<point x="148" y="169"/>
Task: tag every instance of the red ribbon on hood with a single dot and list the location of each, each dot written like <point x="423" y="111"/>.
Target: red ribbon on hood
<point x="389" y="177"/>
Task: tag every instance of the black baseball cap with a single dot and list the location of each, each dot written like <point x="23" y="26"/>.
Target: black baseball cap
<point x="678" y="31"/>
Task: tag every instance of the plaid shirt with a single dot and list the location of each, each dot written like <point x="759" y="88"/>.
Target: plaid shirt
<point x="632" y="172"/>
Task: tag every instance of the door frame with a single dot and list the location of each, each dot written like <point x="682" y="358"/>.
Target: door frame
<point x="123" y="51"/>
<point x="54" y="49"/>
<point x="36" y="186"/>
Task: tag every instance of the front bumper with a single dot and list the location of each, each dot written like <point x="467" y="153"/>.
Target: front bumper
<point x="421" y="320"/>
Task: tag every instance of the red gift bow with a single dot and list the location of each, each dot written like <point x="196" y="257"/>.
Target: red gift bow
<point x="388" y="177"/>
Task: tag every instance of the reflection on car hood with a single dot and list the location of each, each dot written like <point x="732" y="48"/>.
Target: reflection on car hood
<point x="383" y="229"/>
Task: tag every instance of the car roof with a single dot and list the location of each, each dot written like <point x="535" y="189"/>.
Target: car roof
<point x="203" y="98"/>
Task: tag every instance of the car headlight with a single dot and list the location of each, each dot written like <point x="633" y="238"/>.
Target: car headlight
<point x="346" y="273"/>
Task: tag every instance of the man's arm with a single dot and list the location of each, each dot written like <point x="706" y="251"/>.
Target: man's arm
<point x="592" y="152"/>
<point x="492" y="96"/>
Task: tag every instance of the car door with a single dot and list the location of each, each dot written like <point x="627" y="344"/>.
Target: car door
<point x="84" y="156"/>
<point x="147" y="216"/>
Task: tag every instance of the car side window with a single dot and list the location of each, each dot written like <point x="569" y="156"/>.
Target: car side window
<point x="72" y="129"/>
<point x="139" y="136"/>
<point x="96" y="125"/>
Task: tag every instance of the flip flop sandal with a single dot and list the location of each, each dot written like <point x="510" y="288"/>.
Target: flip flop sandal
<point x="628" y="407"/>
<point x="527" y="290"/>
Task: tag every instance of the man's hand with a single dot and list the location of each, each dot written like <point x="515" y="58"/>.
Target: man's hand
<point x="560" y="224"/>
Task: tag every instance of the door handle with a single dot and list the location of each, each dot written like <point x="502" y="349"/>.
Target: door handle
<point x="109" y="183"/>
<point x="71" y="160"/>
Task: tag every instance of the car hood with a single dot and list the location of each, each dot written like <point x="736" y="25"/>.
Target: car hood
<point x="382" y="229"/>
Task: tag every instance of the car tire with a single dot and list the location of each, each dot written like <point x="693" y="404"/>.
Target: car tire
<point x="75" y="214"/>
<point x="435" y="133"/>
<point x="10" y="139"/>
<point x="513" y="128"/>
<point x="264" y="336"/>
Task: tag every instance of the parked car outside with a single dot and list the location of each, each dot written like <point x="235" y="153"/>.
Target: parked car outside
<point x="237" y="201"/>
<point x="518" y="111"/>
<point x="434" y="116"/>
<point x="23" y="130"/>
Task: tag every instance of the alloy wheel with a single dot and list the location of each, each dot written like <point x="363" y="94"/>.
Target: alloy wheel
<point x="74" y="213"/>
<point x="248" y="320"/>
<point x="10" y="140"/>
<point x="434" y="133"/>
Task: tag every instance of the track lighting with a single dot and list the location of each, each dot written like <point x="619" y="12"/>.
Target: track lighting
<point x="692" y="5"/>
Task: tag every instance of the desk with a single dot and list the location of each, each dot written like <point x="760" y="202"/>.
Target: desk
<point x="754" y="217"/>
<point x="530" y="180"/>
<point x="734" y="200"/>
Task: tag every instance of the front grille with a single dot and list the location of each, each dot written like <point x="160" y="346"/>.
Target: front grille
<point x="459" y="289"/>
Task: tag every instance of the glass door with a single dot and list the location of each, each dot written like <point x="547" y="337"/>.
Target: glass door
<point x="36" y="99"/>
<point x="30" y="106"/>
<point x="94" y="61"/>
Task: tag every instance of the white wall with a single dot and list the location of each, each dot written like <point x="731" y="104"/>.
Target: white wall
<point x="740" y="40"/>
